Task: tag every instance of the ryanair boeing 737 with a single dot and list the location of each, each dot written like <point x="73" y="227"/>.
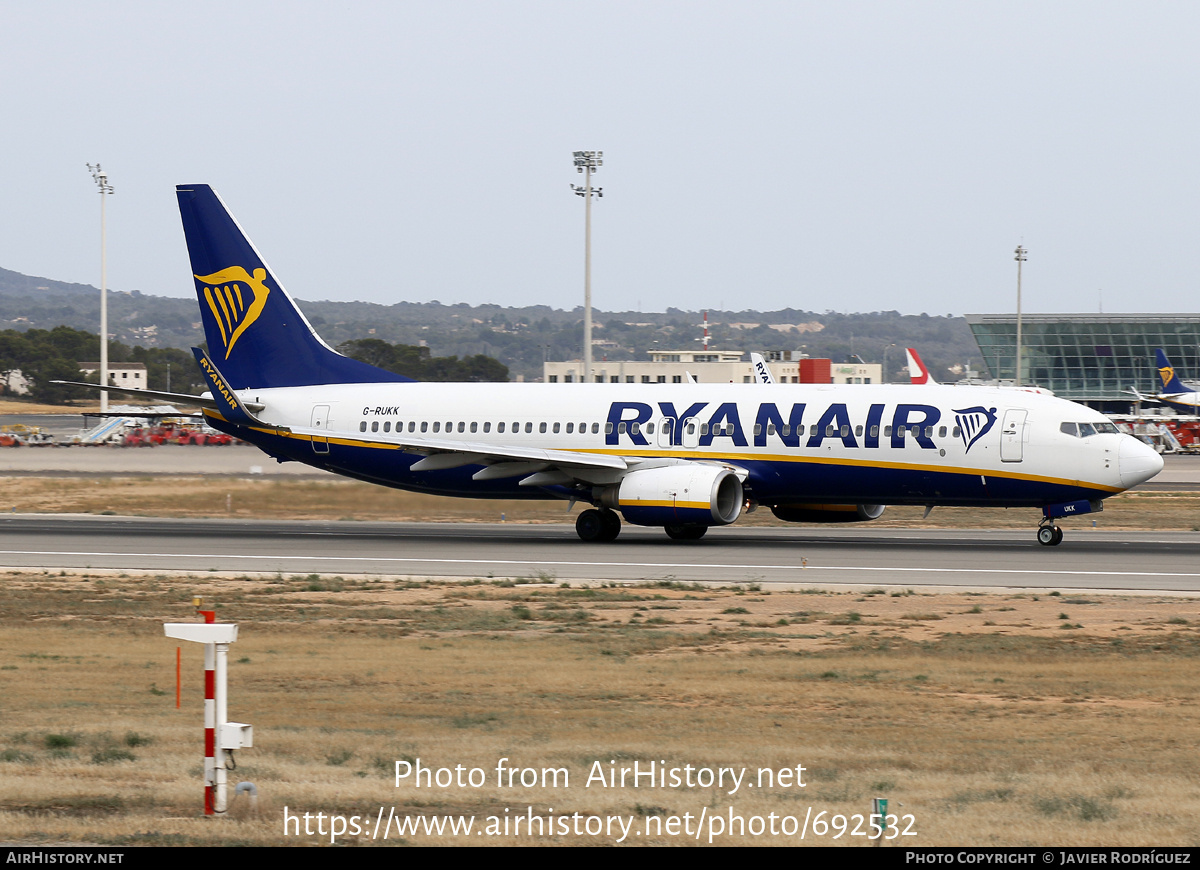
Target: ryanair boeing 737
<point x="681" y="456"/>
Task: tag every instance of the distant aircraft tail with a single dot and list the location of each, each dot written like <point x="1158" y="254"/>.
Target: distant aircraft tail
<point x="916" y="368"/>
<point x="1166" y="375"/>
<point x="254" y="330"/>
<point x="762" y="372"/>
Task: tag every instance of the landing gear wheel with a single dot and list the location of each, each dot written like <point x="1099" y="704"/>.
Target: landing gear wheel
<point x="1049" y="536"/>
<point x="612" y="526"/>
<point x="685" y="533"/>
<point x="590" y="525"/>
<point x="598" y="525"/>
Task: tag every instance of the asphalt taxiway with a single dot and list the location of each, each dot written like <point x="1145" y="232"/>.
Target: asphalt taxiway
<point x="887" y="558"/>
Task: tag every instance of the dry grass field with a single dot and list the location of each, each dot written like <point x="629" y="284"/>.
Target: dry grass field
<point x="989" y="719"/>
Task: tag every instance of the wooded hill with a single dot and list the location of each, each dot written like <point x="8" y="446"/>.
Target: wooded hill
<point x="519" y="338"/>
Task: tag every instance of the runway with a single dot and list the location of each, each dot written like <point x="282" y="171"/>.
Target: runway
<point x="887" y="558"/>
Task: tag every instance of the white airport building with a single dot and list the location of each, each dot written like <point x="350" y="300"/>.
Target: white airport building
<point x="714" y="367"/>
<point x="121" y="374"/>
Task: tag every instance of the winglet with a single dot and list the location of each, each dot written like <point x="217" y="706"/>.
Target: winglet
<point x="229" y="406"/>
<point x="1166" y="375"/>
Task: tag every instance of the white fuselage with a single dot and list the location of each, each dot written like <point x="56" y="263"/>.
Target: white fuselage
<point x="886" y="444"/>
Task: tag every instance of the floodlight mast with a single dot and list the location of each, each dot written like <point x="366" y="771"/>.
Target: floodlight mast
<point x="1020" y="258"/>
<point x="101" y="179"/>
<point x="587" y="162"/>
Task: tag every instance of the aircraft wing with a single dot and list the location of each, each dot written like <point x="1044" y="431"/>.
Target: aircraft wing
<point x="541" y="466"/>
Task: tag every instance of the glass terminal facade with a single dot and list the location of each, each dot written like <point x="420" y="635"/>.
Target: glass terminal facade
<point x="1092" y="358"/>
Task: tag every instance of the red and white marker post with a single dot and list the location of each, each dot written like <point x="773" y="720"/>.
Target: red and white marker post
<point x="220" y="736"/>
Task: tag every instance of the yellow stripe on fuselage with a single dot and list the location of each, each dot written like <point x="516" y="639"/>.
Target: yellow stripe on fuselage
<point x="756" y="457"/>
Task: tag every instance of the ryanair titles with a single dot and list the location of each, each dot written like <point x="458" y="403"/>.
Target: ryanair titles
<point x="219" y="387"/>
<point x="699" y="425"/>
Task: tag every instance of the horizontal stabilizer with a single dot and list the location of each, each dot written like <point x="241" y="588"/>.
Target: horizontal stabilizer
<point x="180" y="398"/>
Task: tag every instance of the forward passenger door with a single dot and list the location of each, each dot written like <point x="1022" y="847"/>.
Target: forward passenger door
<point x="1012" y="435"/>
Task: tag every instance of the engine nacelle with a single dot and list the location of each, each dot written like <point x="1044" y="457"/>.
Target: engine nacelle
<point x="827" y="513"/>
<point x="687" y="494"/>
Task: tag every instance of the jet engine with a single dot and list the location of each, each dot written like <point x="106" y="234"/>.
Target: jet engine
<point x="827" y="513"/>
<point x="691" y="494"/>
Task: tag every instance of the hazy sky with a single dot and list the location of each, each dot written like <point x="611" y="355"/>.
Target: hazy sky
<point x="820" y="155"/>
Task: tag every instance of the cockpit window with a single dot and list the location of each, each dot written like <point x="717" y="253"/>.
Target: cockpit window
<point x="1083" y="430"/>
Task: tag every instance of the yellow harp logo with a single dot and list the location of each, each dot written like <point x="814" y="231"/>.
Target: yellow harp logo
<point x="226" y="292"/>
<point x="1166" y="373"/>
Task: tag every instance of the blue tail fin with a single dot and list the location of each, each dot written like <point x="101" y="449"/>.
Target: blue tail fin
<point x="255" y="332"/>
<point x="1166" y="375"/>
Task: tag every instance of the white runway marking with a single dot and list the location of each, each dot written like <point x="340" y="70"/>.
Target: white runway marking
<point x="741" y="566"/>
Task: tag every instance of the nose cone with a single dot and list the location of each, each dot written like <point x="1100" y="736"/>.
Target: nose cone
<point x="1137" y="462"/>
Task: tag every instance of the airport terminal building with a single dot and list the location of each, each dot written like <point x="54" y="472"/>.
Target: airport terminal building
<point x="1089" y="358"/>
<point x="715" y="367"/>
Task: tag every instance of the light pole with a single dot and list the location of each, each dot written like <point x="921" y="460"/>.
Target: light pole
<point x="1020" y="258"/>
<point x="587" y="162"/>
<point x="101" y="178"/>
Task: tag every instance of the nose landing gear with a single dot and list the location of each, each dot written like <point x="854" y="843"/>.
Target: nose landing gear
<point x="1049" y="535"/>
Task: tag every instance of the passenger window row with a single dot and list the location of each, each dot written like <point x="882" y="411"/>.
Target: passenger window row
<point x="831" y="431"/>
<point x="463" y="427"/>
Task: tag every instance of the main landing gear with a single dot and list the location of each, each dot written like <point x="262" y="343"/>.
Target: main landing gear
<point x="602" y="525"/>
<point x="1049" y="535"/>
<point x="598" y="525"/>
